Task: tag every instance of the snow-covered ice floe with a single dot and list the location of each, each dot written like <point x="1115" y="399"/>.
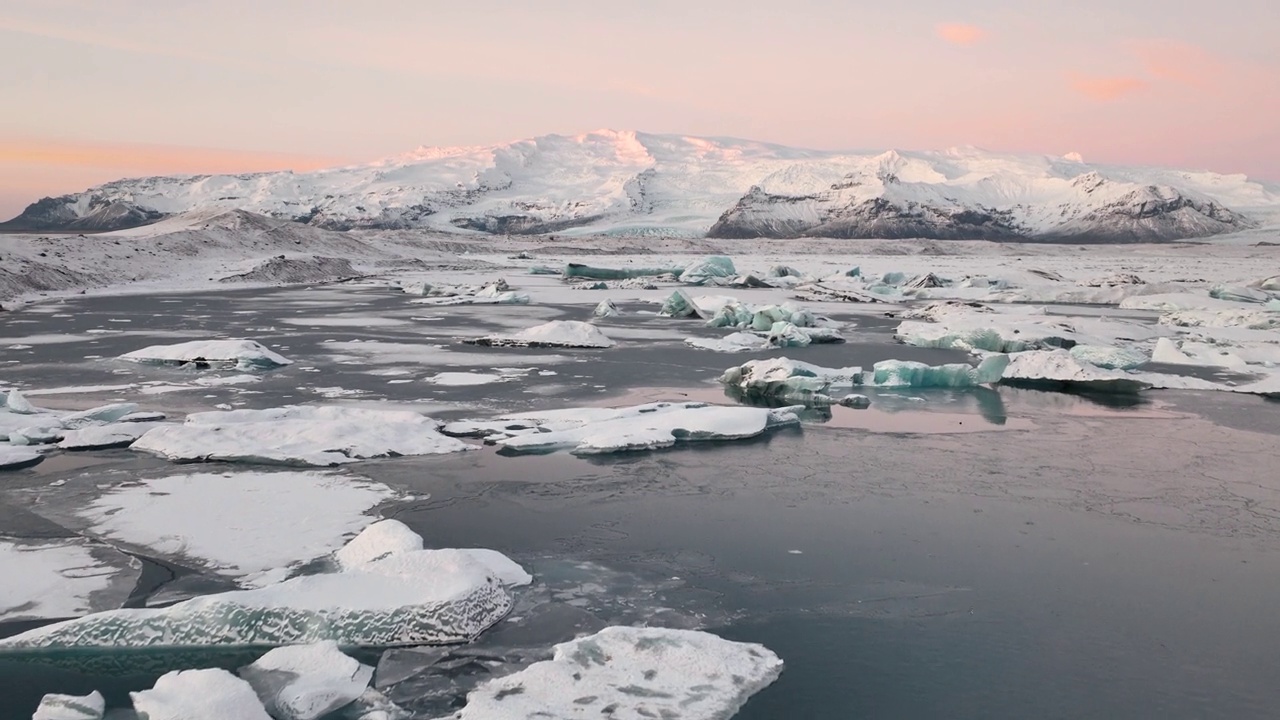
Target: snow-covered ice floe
<point x="387" y="537"/>
<point x="251" y="525"/>
<point x="71" y="707"/>
<point x="306" y="682"/>
<point x="244" y="354"/>
<point x="1060" y="369"/>
<point x="298" y="435"/>
<point x="61" y="578"/>
<point x="114" y="435"/>
<point x="1005" y="332"/>
<point x="786" y="380"/>
<point x="589" y="430"/>
<point x="734" y="342"/>
<point x="211" y="694"/>
<point x="16" y="458"/>
<point x="557" y="333"/>
<point x="411" y="597"/>
<point x="628" y="672"/>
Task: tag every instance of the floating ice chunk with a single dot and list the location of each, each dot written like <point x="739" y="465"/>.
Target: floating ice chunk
<point x="557" y="333"/>
<point x="784" y="271"/>
<point x="306" y="682"/>
<point x="502" y="298"/>
<point x="679" y="305"/>
<point x="964" y="334"/>
<point x="71" y="707"/>
<point x="298" y="435"/>
<point x="62" y="578"/>
<point x="785" y="335"/>
<point x="507" y="571"/>
<point x="242" y="524"/>
<point x="905" y="373"/>
<point x="212" y="694"/>
<point x="787" y="379"/>
<point x="1110" y="358"/>
<point x="457" y="379"/>
<point x="764" y="318"/>
<point x="222" y="353"/>
<point x="828" y="291"/>
<point x="941" y="311"/>
<point x="733" y="314"/>
<point x="1115" y="279"/>
<point x="628" y="672"/>
<point x="594" y="273"/>
<point x="700" y="271"/>
<point x="1059" y="369"/>
<point x="143" y="417"/>
<point x="1171" y="302"/>
<point x="15" y="402"/>
<point x="927" y="280"/>
<point x="16" y="458"/>
<point x="1187" y="352"/>
<point x="424" y="597"/>
<point x="735" y="342"/>
<point x="660" y="428"/>
<point x="858" y="402"/>
<point x="98" y="437"/>
<point x="1255" y="319"/>
<point x="98" y="416"/>
<point x="421" y="288"/>
<point x="606" y="309"/>
<point x="1239" y="293"/>
<point x="1268" y="387"/>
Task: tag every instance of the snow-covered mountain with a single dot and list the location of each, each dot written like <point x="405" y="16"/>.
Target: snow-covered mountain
<point x="630" y="183"/>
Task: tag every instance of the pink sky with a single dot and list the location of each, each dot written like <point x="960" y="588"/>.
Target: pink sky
<point x="97" y="91"/>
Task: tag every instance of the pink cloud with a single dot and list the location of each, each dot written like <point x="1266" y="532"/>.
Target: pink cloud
<point x="962" y="34"/>
<point x="1179" y="62"/>
<point x="1106" y="89"/>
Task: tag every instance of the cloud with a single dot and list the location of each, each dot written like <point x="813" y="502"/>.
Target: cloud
<point x="153" y="159"/>
<point x="1179" y="62"/>
<point x="1106" y="89"/>
<point x="961" y="34"/>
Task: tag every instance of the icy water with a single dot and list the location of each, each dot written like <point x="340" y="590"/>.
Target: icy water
<point x="967" y="554"/>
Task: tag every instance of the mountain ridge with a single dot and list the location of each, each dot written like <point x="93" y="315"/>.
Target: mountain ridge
<point x="610" y="182"/>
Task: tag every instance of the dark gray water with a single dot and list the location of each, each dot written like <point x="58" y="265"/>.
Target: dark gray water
<point x="967" y="554"/>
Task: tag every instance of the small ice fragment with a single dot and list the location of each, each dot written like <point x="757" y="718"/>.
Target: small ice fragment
<point x="199" y="695"/>
<point x="557" y="333"/>
<point x="858" y="402"/>
<point x="605" y="309"/>
<point x="679" y="305"/>
<point x="71" y="707"/>
<point x="209" y="353"/>
<point x="306" y="682"/>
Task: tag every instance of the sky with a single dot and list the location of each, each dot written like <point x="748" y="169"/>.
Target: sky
<point x="96" y="90"/>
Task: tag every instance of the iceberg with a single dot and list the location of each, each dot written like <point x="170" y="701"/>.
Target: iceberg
<point x="700" y="271"/>
<point x="306" y="682"/>
<point x="827" y="291"/>
<point x="71" y="707"/>
<point x="576" y="270"/>
<point x="784" y="379"/>
<point x="733" y="314"/>
<point x="212" y="694"/>
<point x="1110" y="358"/>
<point x="1186" y="352"/>
<point x="679" y="305"/>
<point x="627" y="672"/>
<point x="604" y="430"/>
<point x="17" y="458"/>
<point x="243" y="354"/>
<point x="905" y="373"/>
<point x="423" y="597"/>
<point x="389" y="537"/>
<point x="764" y="318"/>
<point x="786" y="335"/>
<point x="98" y="437"/>
<point x="1239" y="294"/>
<point x="500" y="298"/>
<point x="98" y="416"/>
<point x="606" y="309"/>
<point x="16" y="402"/>
<point x="1058" y="369"/>
<point x="303" y="435"/>
<point x="557" y="333"/>
<point x="732" y="343"/>
<point x="858" y="402"/>
<point x="972" y="334"/>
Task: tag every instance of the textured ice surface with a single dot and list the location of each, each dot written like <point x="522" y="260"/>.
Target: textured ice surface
<point x="71" y="707"/>
<point x="237" y="353"/>
<point x="61" y="578"/>
<point x="298" y="435"/>
<point x="421" y="597"/>
<point x="700" y="271"/>
<point x="557" y="333"/>
<point x="212" y="694"/>
<point x="734" y="342"/>
<point x="1111" y="358"/>
<point x="1058" y="368"/>
<point x="241" y="524"/>
<point x="679" y="305"/>
<point x="120" y="434"/>
<point x="604" y="430"/>
<point x="625" y="672"/>
<point x="904" y="373"/>
<point x="15" y="458"/>
<point x="787" y="379"/>
<point x="306" y="682"/>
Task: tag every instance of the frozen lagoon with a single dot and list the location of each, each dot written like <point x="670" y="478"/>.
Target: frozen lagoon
<point x="976" y="553"/>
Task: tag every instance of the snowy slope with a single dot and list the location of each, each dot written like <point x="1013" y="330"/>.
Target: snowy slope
<point x="630" y="183"/>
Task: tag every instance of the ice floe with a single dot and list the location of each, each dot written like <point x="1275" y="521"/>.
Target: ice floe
<point x="212" y="694"/>
<point x="1110" y="358"/>
<point x="789" y="380"/>
<point x="557" y="333"/>
<point x="388" y="537"/>
<point x="604" y="430"/>
<point x="306" y="682"/>
<point x="251" y="525"/>
<point x="97" y="437"/>
<point x="628" y="672"/>
<point x="71" y="707"/>
<point x="16" y="458"/>
<point x="61" y="578"/>
<point x="905" y="373"/>
<point x="606" y="309"/>
<point x="732" y="343"/>
<point x="463" y="379"/>
<point x="420" y="597"/>
<point x="1059" y="369"/>
<point x="244" y="354"/>
<point x="298" y="435"/>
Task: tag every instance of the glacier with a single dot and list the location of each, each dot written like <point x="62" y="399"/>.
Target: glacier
<point x="633" y="673"/>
